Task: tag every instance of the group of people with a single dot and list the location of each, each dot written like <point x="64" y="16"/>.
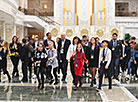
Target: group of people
<point x="49" y="58"/>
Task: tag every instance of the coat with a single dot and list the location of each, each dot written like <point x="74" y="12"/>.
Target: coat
<point x="79" y="69"/>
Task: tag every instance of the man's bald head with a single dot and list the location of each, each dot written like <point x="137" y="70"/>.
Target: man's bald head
<point x="63" y="36"/>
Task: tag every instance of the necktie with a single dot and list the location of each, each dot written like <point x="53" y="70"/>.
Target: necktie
<point x="103" y="54"/>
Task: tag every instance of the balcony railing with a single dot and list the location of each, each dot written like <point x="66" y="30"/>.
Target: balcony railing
<point x="126" y="13"/>
<point x="43" y="16"/>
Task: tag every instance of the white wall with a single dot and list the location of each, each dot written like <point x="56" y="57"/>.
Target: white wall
<point x="133" y="31"/>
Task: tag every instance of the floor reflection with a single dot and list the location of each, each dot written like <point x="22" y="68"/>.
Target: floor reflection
<point x="134" y="91"/>
<point x="55" y="93"/>
<point x="130" y="81"/>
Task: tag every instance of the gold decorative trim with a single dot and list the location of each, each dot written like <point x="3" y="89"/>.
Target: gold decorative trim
<point x="84" y="32"/>
<point x="54" y="32"/>
<point x="69" y="32"/>
<point x="100" y="32"/>
<point x="114" y="31"/>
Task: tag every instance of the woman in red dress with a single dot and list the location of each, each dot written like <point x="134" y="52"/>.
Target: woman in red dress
<point x="78" y="57"/>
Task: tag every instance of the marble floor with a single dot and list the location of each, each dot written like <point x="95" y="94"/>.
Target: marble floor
<point x="122" y="91"/>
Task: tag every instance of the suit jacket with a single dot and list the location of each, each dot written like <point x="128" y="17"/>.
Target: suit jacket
<point x="118" y="52"/>
<point x="86" y="51"/>
<point x="96" y="55"/>
<point x="24" y="53"/>
<point x="46" y="43"/>
<point x="34" y="44"/>
<point x="66" y="46"/>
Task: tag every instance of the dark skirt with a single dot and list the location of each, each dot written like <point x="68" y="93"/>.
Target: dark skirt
<point x="93" y="63"/>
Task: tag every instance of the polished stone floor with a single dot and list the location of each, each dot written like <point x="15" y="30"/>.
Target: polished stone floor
<point x="31" y="93"/>
<point x="123" y="91"/>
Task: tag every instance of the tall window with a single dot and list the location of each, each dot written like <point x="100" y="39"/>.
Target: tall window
<point x="122" y="9"/>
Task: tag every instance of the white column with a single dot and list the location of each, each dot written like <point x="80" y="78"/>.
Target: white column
<point x="14" y="30"/>
<point x="26" y="4"/>
<point x="4" y="31"/>
<point x="45" y="31"/>
<point x="122" y="32"/>
<point x="22" y="32"/>
<point x="26" y="32"/>
<point x="22" y="4"/>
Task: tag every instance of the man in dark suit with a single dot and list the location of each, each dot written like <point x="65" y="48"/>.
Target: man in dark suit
<point x="116" y="47"/>
<point x="24" y="59"/>
<point x="49" y="38"/>
<point x="86" y="51"/>
<point x="63" y="46"/>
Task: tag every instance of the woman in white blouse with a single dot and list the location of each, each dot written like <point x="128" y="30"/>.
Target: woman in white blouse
<point x="72" y="48"/>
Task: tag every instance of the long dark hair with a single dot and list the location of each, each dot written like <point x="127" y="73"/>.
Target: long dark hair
<point x="13" y="39"/>
<point x="76" y="38"/>
<point x="90" y="44"/>
<point x="77" y="51"/>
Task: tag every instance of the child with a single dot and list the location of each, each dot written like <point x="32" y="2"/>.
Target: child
<point x="78" y="57"/>
<point x="104" y="62"/>
<point x="40" y="60"/>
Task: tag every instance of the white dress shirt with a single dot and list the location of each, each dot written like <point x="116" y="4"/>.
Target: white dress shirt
<point x="63" y="42"/>
<point x="70" y="51"/>
<point x="108" y="56"/>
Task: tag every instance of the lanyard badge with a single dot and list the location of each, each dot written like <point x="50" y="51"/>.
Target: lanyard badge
<point x="92" y="53"/>
<point x="92" y="57"/>
<point x="76" y="65"/>
<point x="113" y="49"/>
<point x="62" y="51"/>
<point x="0" y="58"/>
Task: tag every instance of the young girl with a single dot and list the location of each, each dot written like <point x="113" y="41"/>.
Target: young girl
<point x="71" y="50"/>
<point x="3" y="59"/>
<point x="40" y="60"/>
<point x="78" y="57"/>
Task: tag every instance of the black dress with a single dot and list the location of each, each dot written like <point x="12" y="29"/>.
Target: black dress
<point x="94" y="57"/>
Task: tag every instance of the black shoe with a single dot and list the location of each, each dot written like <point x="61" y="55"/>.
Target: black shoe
<point x="91" y="84"/>
<point x="117" y="78"/>
<point x="39" y="85"/>
<point x="13" y="76"/>
<point x="73" y="81"/>
<point x="30" y="77"/>
<point x="80" y="85"/>
<point x="9" y="79"/>
<point x="42" y="87"/>
<point x="56" y="83"/>
<point x="17" y="75"/>
<point x="99" y="88"/>
<point x="75" y="89"/>
<point x="63" y="79"/>
<point x="110" y="88"/>
<point x="51" y="82"/>
<point x="94" y="81"/>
